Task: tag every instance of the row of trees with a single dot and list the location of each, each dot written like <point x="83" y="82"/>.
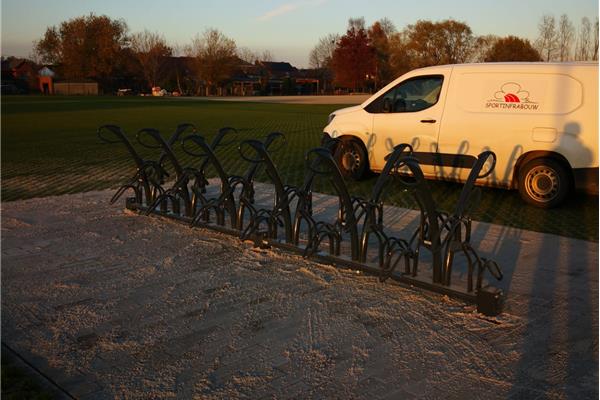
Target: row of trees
<point x="368" y="58"/>
<point x="364" y="58"/>
<point x="102" y="49"/>
<point x="560" y="41"/>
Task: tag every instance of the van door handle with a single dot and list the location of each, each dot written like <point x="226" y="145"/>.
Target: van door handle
<point x="428" y="121"/>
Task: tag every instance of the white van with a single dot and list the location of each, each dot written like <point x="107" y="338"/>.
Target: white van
<point x="541" y="120"/>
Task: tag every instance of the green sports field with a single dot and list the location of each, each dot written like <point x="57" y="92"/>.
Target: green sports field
<point x="49" y="147"/>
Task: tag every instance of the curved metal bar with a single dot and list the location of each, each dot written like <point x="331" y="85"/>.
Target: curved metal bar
<point x="160" y="144"/>
<point x="216" y="142"/>
<point x="226" y="199"/>
<point x="118" y="132"/>
<point x="175" y="137"/>
<point x="395" y="251"/>
<point x="458" y="225"/>
<point x="392" y="165"/>
<point x="221" y="134"/>
<point x="273" y="138"/>
<point x="198" y="187"/>
<point x="321" y="231"/>
<point x="179" y="191"/>
<point x="281" y="203"/>
<point x="304" y="193"/>
<point x="373" y="208"/>
<point x="319" y="161"/>
<point x="142" y="183"/>
<point x="428" y="234"/>
<point x="463" y="204"/>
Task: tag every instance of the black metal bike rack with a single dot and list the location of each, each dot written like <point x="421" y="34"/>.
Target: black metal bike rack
<point x="289" y="222"/>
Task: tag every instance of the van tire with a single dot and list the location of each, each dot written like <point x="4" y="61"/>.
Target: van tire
<point x="544" y="183"/>
<point x="351" y="158"/>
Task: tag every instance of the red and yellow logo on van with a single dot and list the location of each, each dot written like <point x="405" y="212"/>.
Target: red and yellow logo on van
<point x="512" y="96"/>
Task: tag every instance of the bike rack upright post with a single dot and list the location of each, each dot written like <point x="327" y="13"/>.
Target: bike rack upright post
<point x="146" y="183"/>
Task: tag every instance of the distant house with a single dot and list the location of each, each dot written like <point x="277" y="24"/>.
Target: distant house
<point x="278" y="69"/>
<point x="19" y="68"/>
<point x="271" y="78"/>
<point x="307" y="82"/>
<point x="277" y="77"/>
<point x="285" y="79"/>
<point x="19" y="75"/>
<point x="247" y="79"/>
<point x="49" y="82"/>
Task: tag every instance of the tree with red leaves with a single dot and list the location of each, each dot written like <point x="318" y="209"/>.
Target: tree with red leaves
<point x="354" y="58"/>
<point x="379" y="35"/>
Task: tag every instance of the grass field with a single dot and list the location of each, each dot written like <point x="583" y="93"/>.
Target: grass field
<point x="49" y="147"/>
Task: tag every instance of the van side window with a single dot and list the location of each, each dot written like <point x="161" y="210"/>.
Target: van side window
<point x="412" y="95"/>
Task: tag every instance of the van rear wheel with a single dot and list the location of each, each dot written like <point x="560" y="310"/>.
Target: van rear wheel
<point x="351" y="158"/>
<point x="544" y="183"/>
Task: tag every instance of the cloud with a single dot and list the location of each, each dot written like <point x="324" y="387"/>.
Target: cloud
<point x="288" y="8"/>
<point x="282" y="9"/>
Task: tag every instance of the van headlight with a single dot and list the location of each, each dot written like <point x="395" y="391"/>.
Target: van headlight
<point x="331" y="117"/>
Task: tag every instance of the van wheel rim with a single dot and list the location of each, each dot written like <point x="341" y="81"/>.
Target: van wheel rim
<point x="542" y="184"/>
<point x="351" y="160"/>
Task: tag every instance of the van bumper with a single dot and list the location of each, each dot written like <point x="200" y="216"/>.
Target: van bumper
<point x="586" y="180"/>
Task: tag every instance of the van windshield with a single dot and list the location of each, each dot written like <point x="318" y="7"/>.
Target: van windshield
<point x="412" y="95"/>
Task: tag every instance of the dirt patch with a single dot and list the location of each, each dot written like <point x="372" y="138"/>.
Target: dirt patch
<point x="113" y="304"/>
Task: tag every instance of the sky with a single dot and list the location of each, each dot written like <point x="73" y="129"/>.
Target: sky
<point x="288" y="29"/>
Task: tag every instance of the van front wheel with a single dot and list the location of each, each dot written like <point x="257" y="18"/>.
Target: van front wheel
<point x="544" y="183"/>
<point x="351" y="158"/>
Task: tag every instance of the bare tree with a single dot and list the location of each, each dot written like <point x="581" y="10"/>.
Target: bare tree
<point x="150" y="49"/>
<point x="251" y="56"/>
<point x="178" y="50"/>
<point x="320" y="59"/>
<point x="547" y="42"/>
<point x="595" y="49"/>
<point x="482" y="46"/>
<point x="387" y="26"/>
<point x="583" y="41"/>
<point x="321" y="54"/>
<point x="248" y="55"/>
<point x="565" y="34"/>
<point x="266" y="55"/>
<point x="356" y="24"/>
<point x="215" y="56"/>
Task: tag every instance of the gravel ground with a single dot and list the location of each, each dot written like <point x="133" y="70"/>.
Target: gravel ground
<point x="110" y="304"/>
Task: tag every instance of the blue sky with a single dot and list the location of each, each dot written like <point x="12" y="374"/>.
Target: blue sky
<point x="288" y="29"/>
